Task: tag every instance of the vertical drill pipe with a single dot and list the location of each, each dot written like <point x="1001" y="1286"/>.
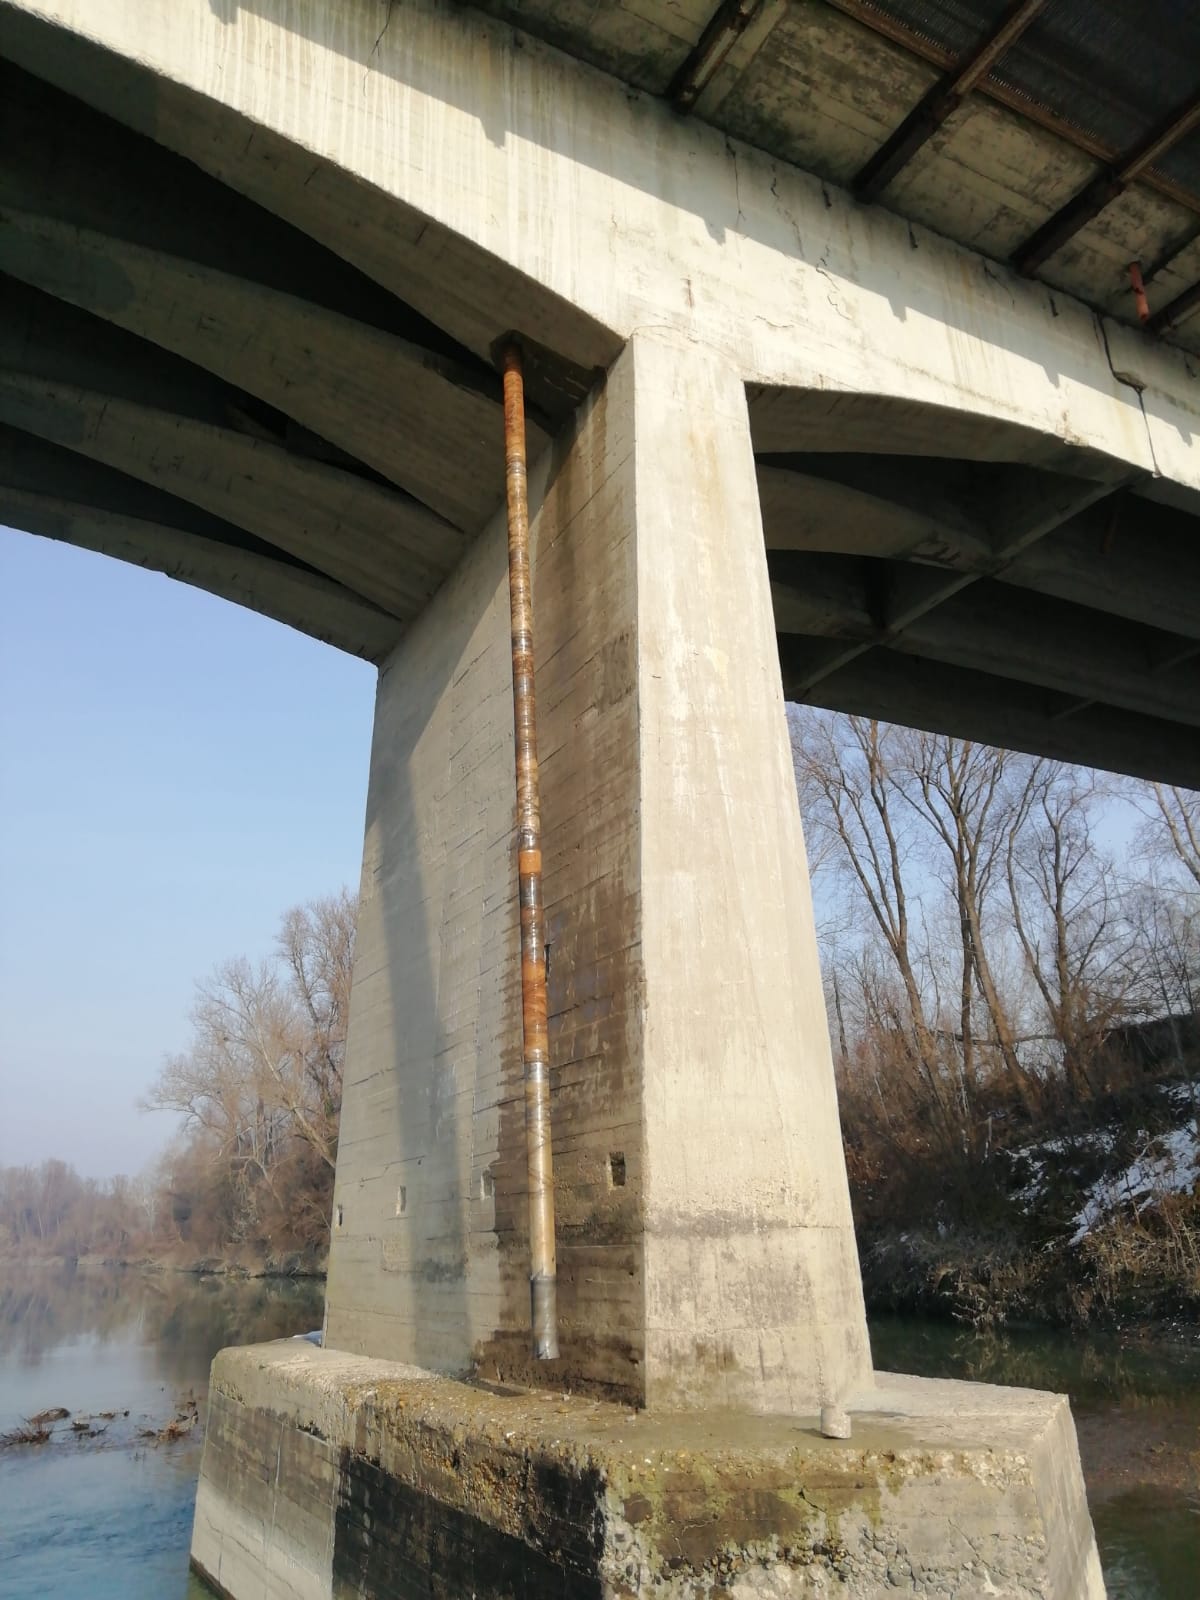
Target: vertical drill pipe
<point x="1139" y="291"/>
<point x="543" y="1278"/>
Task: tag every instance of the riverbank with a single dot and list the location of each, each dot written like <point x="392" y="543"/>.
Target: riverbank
<point x="1084" y="1222"/>
<point x="294" y="1265"/>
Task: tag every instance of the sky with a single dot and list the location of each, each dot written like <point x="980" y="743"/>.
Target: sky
<point x="175" y="772"/>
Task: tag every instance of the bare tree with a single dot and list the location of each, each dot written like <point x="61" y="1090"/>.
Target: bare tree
<point x="964" y="792"/>
<point x="1064" y="904"/>
<point x="845" y="772"/>
<point x="1175" y="822"/>
<point x="316" y="943"/>
<point x="260" y="1085"/>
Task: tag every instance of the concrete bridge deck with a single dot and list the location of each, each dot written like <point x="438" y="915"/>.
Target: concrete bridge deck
<point x="258" y="357"/>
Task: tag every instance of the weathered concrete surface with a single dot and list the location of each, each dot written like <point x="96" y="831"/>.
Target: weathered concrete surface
<point x="328" y="1475"/>
<point x="705" y="1247"/>
<point x="491" y="187"/>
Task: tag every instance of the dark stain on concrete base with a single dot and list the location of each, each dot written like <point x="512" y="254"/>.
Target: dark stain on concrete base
<point x="395" y="1542"/>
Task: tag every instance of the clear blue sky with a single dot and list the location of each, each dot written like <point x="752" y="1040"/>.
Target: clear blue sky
<point x="175" y="772"/>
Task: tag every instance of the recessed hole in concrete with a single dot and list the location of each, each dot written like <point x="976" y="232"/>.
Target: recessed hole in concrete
<point x="616" y="1170"/>
<point x="341" y="1216"/>
<point x="401" y="1200"/>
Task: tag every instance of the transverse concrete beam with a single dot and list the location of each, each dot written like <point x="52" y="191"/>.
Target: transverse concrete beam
<point x="1126" y="555"/>
<point x="157" y="419"/>
<point x="992" y="710"/>
<point x="303" y="601"/>
<point x="402" y="410"/>
<point x="1031" y="638"/>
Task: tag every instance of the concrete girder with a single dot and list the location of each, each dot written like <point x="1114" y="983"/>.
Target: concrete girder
<point x="1133" y="559"/>
<point x="402" y="410"/>
<point x="496" y="210"/>
<point x="44" y="337"/>
<point x="405" y="249"/>
<point x="326" y="518"/>
<point x="865" y="509"/>
<point x="92" y="506"/>
<point x="282" y="590"/>
<point x="990" y="710"/>
<point x="95" y="389"/>
<point x="991" y="629"/>
<point x="1024" y="508"/>
<point x="1126" y="556"/>
<point x="31" y="464"/>
<point x="62" y="159"/>
<point x="302" y="600"/>
<point x="793" y="423"/>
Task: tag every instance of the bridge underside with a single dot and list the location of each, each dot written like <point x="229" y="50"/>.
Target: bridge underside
<point x="295" y="408"/>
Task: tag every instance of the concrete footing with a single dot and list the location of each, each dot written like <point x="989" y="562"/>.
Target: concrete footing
<point x="328" y="1476"/>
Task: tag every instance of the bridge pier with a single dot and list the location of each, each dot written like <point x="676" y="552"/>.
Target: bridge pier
<point x="705" y="1244"/>
<point x="709" y="1298"/>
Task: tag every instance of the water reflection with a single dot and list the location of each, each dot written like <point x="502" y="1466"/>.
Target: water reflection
<point x="111" y="1520"/>
<point x="1096" y="1370"/>
<point x="181" y="1321"/>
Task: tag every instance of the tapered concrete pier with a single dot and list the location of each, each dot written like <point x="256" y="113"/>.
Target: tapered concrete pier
<point x="705" y="1248"/>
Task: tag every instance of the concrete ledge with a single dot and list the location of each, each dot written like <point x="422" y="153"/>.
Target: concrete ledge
<point x="329" y="1476"/>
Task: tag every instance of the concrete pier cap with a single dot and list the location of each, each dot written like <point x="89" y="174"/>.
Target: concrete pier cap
<point x="334" y="1475"/>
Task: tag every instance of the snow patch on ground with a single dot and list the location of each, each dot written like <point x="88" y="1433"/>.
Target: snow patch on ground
<point x="1043" y="1157"/>
<point x="1167" y="1164"/>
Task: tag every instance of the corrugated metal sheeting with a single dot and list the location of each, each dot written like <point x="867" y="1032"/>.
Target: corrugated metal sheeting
<point x="1114" y="69"/>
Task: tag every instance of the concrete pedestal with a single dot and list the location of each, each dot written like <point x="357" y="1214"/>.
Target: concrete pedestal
<point x="332" y="1475"/>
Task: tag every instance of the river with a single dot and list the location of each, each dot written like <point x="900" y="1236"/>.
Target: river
<point x="108" y="1517"/>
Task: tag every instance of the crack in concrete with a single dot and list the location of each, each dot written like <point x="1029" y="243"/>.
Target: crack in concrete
<point x="1129" y="382"/>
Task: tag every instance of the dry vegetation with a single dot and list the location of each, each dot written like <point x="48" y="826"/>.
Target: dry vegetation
<point x="250" y="1178"/>
<point x="1013" y="1003"/>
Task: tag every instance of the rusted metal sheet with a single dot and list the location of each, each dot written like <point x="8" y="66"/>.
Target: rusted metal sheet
<point x="943" y="99"/>
<point x="543" y="1276"/>
<point x="1105" y="188"/>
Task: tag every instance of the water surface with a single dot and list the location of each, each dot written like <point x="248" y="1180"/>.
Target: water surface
<point x="110" y="1518"/>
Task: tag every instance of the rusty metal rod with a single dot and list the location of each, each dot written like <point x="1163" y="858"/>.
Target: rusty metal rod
<point x="543" y="1271"/>
<point x="1137" y="284"/>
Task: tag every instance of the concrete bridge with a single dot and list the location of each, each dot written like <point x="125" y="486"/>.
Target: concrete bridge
<point x="840" y="385"/>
